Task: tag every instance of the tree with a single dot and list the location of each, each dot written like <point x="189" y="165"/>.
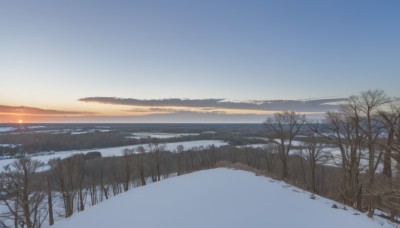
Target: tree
<point x="281" y="130"/>
<point x="180" y="152"/>
<point x="268" y="152"/>
<point x="66" y="179"/>
<point x="391" y="119"/>
<point x="344" y="132"/>
<point x="127" y="167"/>
<point x="21" y="190"/>
<point x="81" y="173"/>
<point x="49" y="180"/>
<point x="312" y="153"/>
<point x="141" y="165"/>
<point x="156" y="149"/>
<point x="369" y="103"/>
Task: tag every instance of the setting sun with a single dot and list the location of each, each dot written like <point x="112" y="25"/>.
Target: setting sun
<point x="20" y="121"/>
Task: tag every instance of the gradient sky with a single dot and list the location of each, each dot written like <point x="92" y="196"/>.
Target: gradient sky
<point x="53" y="54"/>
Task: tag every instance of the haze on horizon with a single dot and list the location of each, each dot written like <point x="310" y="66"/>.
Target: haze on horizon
<point x="187" y="61"/>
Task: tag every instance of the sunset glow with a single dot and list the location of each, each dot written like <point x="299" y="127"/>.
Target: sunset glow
<point x="195" y="61"/>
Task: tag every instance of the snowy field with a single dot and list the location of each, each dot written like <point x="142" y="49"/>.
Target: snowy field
<point x="10" y="145"/>
<point x="80" y="131"/>
<point x="263" y="145"/>
<point x="158" y="135"/>
<point x="60" y="131"/>
<point x="5" y="129"/>
<point x="218" y="198"/>
<point x="117" y="151"/>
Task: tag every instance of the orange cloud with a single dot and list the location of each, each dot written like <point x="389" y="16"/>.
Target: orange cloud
<point x="30" y="111"/>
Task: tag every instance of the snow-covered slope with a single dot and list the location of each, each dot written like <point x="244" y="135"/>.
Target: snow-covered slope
<point x="216" y="198"/>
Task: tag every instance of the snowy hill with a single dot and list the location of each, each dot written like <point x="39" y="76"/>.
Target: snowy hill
<point x="217" y="198"/>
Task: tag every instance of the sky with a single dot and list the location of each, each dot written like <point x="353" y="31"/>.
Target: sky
<point x="192" y="61"/>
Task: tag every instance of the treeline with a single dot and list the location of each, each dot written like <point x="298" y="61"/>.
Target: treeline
<point x="30" y="142"/>
<point x="30" y="193"/>
<point x="31" y="189"/>
<point x="39" y="142"/>
<point x="366" y="133"/>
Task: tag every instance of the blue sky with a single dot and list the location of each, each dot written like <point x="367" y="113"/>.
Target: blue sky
<point x="53" y="53"/>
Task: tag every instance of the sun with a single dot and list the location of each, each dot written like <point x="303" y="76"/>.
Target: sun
<point x="20" y="121"/>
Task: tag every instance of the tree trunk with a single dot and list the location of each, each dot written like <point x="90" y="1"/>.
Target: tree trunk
<point x="313" y="184"/>
<point x="50" y="205"/>
<point x="284" y="168"/>
<point x="82" y="205"/>
<point x="371" y="170"/>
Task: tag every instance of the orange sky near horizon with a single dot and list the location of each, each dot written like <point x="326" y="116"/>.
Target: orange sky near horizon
<point x="106" y="112"/>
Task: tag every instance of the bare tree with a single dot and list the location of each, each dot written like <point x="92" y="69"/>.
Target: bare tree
<point x="369" y="103"/>
<point x="81" y="174"/>
<point x="127" y="167"/>
<point x="21" y="190"/>
<point x="250" y="156"/>
<point x="156" y="149"/>
<point x="49" y="180"/>
<point x="313" y="153"/>
<point x="65" y="174"/>
<point x="97" y="172"/>
<point x="344" y="132"/>
<point x="268" y="152"/>
<point x="391" y="119"/>
<point x="180" y="151"/>
<point x="141" y="165"/>
<point x="115" y="177"/>
<point x="281" y="130"/>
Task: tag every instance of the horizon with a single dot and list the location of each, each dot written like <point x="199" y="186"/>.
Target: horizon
<point x="191" y="62"/>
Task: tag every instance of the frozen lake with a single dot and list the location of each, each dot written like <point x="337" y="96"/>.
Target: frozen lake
<point x="158" y="135"/>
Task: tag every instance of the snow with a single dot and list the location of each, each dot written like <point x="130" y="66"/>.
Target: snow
<point x="255" y="146"/>
<point x="10" y="145"/>
<point x="5" y="129"/>
<point x="61" y="131"/>
<point x="294" y="142"/>
<point x="158" y="135"/>
<point x="263" y="145"/>
<point x="117" y="151"/>
<point x="217" y="198"/>
<point x="35" y="127"/>
<point x="38" y="129"/>
<point x="364" y="161"/>
<point x="78" y="132"/>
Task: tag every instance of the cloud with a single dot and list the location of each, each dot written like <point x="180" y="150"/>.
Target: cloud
<point x="172" y="102"/>
<point x="152" y="110"/>
<point x="310" y="105"/>
<point x="24" y="110"/>
<point x="173" y="110"/>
